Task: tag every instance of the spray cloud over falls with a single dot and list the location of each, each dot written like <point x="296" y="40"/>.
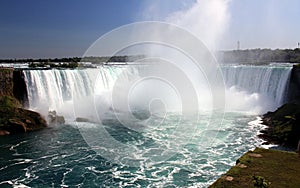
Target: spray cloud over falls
<point x="206" y="19"/>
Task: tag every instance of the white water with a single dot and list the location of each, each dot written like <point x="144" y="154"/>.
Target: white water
<point x="256" y="88"/>
<point x="54" y="89"/>
<point x="77" y="93"/>
<point x="164" y="149"/>
<point x="72" y="93"/>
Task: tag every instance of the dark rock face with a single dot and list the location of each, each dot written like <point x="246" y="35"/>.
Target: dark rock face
<point x="294" y="86"/>
<point x="283" y="125"/>
<point x="19" y="88"/>
<point x="12" y="83"/>
<point x="6" y="81"/>
<point x="13" y="95"/>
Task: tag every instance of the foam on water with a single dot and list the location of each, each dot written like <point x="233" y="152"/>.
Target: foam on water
<point x="198" y="153"/>
<point x="61" y="152"/>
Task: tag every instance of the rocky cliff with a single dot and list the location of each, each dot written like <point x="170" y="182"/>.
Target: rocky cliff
<point x="294" y="86"/>
<point x="14" y="118"/>
<point x="284" y="123"/>
<point x="6" y="81"/>
<point x="19" y="88"/>
<point x="283" y="126"/>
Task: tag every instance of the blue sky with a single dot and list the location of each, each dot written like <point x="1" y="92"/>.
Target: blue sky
<point x="265" y="23"/>
<point x="56" y="28"/>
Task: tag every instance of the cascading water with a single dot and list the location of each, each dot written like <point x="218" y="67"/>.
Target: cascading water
<point x="264" y="87"/>
<point x="198" y="153"/>
<point x="60" y="90"/>
<point x="52" y="89"/>
<point x="62" y="156"/>
<point x="247" y="86"/>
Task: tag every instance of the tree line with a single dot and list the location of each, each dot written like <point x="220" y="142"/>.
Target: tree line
<point x="252" y="56"/>
<point x="92" y="59"/>
<point x="261" y="56"/>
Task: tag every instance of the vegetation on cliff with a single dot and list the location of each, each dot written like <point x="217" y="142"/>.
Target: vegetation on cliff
<point x="263" y="168"/>
<point x="15" y="119"/>
<point x="283" y="126"/>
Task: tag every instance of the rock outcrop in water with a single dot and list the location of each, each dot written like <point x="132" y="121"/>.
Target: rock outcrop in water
<point x="15" y="119"/>
<point x="53" y="118"/>
<point x="283" y="125"/>
<point x="18" y="120"/>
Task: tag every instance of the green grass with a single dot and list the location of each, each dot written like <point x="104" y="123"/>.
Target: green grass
<point x="274" y="169"/>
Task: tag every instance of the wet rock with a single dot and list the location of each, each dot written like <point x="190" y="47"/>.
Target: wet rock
<point x="60" y="120"/>
<point x="81" y="119"/>
<point x="4" y="132"/>
<point x="16" y="126"/>
<point x="18" y="120"/>
<point x="53" y="118"/>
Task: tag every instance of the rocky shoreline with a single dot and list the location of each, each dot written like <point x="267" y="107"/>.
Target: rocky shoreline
<point x="283" y="126"/>
<point x="256" y="168"/>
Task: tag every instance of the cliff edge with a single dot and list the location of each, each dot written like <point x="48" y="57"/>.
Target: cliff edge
<point x="14" y="118"/>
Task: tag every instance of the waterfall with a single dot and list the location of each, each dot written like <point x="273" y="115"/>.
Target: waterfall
<point x="62" y="90"/>
<point x="269" y="83"/>
<point x="72" y="91"/>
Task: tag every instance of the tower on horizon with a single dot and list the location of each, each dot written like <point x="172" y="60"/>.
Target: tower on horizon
<point x="238" y="45"/>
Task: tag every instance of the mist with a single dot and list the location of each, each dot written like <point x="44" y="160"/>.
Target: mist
<point x="256" y="24"/>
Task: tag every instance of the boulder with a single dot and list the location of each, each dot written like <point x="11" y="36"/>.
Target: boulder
<point x="16" y="126"/>
<point x="53" y="118"/>
<point x="14" y="119"/>
<point x="4" y="132"/>
<point x="81" y="119"/>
